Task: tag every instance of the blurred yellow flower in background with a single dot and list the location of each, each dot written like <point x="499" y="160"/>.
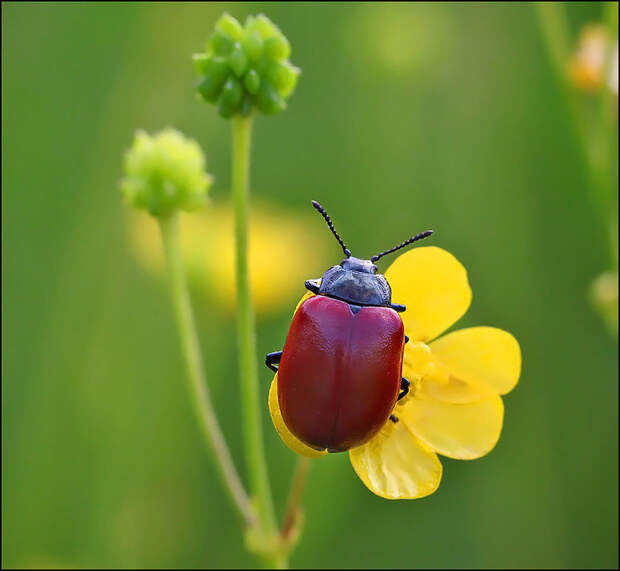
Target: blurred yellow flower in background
<point x="381" y="38"/>
<point x="590" y="68"/>
<point x="283" y="253"/>
<point x="454" y="407"/>
<point x="604" y="296"/>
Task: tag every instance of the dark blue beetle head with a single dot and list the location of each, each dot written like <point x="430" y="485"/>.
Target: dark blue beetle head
<point x="356" y="280"/>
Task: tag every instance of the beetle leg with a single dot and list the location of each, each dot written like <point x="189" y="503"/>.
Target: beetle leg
<point x="404" y="388"/>
<point x="393" y="418"/>
<point x="397" y="307"/>
<point x="406" y="339"/>
<point x="272" y="360"/>
<point x="313" y="285"/>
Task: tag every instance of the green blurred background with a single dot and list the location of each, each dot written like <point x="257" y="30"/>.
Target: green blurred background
<point x="406" y="117"/>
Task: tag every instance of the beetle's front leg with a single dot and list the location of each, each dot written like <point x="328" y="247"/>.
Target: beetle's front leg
<point x="404" y="388"/>
<point x="272" y="360"/>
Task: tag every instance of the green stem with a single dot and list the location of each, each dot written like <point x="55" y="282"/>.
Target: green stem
<point x="609" y="126"/>
<point x="279" y="561"/>
<point x="294" y="499"/>
<point x="199" y="391"/>
<point x="248" y="369"/>
<point x="595" y="144"/>
<point x="554" y="27"/>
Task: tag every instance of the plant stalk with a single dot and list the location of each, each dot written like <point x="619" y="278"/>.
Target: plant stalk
<point x="294" y="499"/>
<point x="596" y="144"/>
<point x="246" y="335"/>
<point x="199" y="392"/>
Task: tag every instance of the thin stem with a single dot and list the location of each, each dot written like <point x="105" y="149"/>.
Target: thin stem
<point x="199" y="391"/>
<point x="278" y="561"/>
<point x="554" y="26"/>
<point x="294" y="499"/>
<point x="608" y="104"/>
<point x="248" y="369"/>
<point x="594" y="144"/>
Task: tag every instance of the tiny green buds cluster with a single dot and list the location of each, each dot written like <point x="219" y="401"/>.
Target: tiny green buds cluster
<point x="165" y="172"/>
<point x="246" y="67"/>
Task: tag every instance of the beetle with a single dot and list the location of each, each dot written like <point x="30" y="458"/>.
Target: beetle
<point x="340" y="372"/>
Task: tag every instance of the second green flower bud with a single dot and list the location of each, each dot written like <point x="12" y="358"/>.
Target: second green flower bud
<point x="246" y="67"/>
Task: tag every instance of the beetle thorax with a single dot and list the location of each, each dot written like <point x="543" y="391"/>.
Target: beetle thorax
<point x="356" y="281"/>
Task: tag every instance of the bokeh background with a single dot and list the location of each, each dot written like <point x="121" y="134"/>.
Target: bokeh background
<point x="406" y="117"/>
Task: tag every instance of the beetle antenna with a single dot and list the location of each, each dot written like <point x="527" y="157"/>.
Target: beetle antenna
<point x="411" y="240"/>
<point x="324" y="214"/>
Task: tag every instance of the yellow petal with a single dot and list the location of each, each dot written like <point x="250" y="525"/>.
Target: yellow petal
<point x="429" y="375"/>
<point x="416" y="360"/>
<point x="306" y="296"/>
<point x="453" y="390"/>
<point x="433" y="285"/>
<point x="461" y="431"/>
<point x="482" y="356"/>
<point x="287" y="437"/>
<point x="396" y="465"/>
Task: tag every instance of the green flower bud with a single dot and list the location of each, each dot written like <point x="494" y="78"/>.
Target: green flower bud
<point x="200" y="63"/>
<point x="230" y="97"/>
<point x="246" y="105"/>
<point x="252" y="81"/>
<point x="209" y="88"/>
<point x="215" y="73"/>
<point x="268" y="99"/>
<point x="283" y="77"/>
<point x="220" y="43"/>
<point x="246" y="67"/>
<point x="238" y="61"/>
<point x="263" y="25"/>
<point x="230" y="26"/>
<point x="252" y="45"/>
<point x="277" y="48"/>
<point x="164" y="173"/>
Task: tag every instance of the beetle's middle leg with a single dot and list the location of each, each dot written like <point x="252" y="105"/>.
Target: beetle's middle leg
<point x="272" y="360"/>
<point x="404" y="388"/>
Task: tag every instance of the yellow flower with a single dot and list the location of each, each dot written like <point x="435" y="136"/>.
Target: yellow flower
<point x="277" y="236"/>
<point x="589" y="65"/>
<point x="454" y="406"/>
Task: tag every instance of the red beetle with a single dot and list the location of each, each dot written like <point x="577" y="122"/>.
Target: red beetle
<point x="340" y="373"/>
